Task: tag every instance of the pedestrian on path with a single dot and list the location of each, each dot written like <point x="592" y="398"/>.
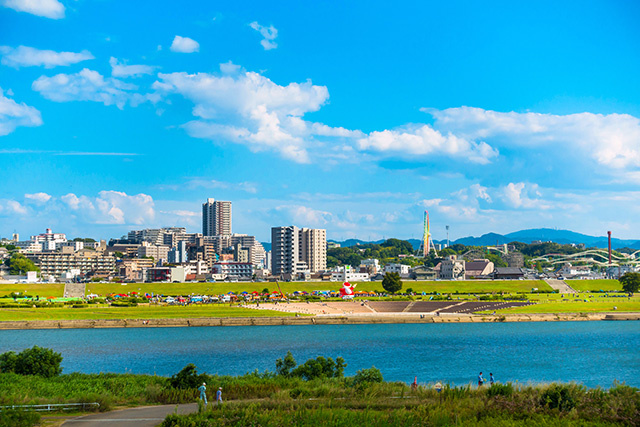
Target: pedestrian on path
<point x="491" y="380"/>
<point x="480" y="379"/>
<point x="219" y="395"/>
<point x="203" y="395"/>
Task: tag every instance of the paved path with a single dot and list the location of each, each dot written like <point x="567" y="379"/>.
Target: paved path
<point x="147" y="416"/>
<point x="560" y="286"/>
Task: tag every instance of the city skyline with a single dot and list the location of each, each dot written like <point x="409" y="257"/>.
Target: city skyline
<point x="353" y="118"/>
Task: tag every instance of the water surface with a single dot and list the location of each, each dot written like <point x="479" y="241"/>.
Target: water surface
<point x="591" y="353"/>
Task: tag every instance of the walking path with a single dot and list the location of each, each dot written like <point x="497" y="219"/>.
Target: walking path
<point x="560" y="286"/>
<point x="147" y="416"/>
<point x="74" y="290"/>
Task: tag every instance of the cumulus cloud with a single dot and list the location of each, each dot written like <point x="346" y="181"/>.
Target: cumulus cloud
<point x="88" y="85"/>
<point x="111" y="207"/>
<point x="611" y="140"/>
<point x="47" y="8"/>
<point x="13" y="115"/>
<point x="523" y="195"/>
<point x="121" y="69"/>
<point x="269" y="33"/>
<point x="38" y="197"/>
<point x="12" y="207"/>
<point x="424" y="140"/>
<point x="25" y="56"/>
<point x="184" y="45"/>
<point x="249" y="109"/>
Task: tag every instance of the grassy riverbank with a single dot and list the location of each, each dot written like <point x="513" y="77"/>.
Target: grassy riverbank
<point x="274" y="400"/>
<point x="141" y="312"/>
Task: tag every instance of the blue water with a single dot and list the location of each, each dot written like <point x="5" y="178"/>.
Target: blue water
<point x="590" y="353"/>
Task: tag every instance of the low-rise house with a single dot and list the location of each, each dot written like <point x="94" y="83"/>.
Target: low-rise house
<point x="508" y="273"/>
<point x="478" y="268"/>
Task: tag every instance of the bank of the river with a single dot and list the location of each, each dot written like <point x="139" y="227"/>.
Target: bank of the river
<point x="310" y="320"/>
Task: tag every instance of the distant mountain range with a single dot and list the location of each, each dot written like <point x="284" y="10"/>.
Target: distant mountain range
<point x="524" y="236"/>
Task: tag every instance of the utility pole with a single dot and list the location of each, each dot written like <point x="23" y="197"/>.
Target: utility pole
<point x="447" y="235"/>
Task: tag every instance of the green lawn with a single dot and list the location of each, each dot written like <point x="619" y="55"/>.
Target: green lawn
<point x="33" y="289"/>
<point x="595" y="285"/>
<point x="468" y="286"/>
<point x="578" y="307"/>
<point x="140" y="312"/>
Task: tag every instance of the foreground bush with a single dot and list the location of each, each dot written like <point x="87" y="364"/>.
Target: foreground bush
<point x="15" y="418"/>
<point x="39" y="361"/>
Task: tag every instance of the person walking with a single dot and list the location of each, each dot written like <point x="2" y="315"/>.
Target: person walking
<point x="480" y="379"/>
<point x="491" y="380"/>
<point x="219" y="395"/>
<point x="203" y="395"/>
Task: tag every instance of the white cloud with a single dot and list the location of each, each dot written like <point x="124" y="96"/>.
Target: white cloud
<point x="230" y="68"/>
<point x="88" y="85"/>
<point x="47" y="8"/>
<point x="249" y="109"/>
<point x="25" y="56"/>
<point x="112" y="207"/>
<point x="611" y="140"/>
<point x="184" y="45"/>
<point x="123" y="70"/>
<point x="12" y="207"/>
<point x="248" y="187"/>
<point x="522" y="195"/>
<point x="424" y="140"/>
<point x="13" y="115"/>
<point x="269" y="33"/>
<point x="38" y="197"/>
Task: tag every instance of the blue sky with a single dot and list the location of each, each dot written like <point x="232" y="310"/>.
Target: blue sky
<point x="350" y="116"/>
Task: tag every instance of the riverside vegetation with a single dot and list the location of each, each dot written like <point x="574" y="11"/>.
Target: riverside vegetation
<point x="313" y="393"/>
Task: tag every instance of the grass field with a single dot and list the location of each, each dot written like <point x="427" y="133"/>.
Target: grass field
<point x="578" y="307"/>
<point x="33" y="289"/>
<point x="595" y="285"/>
<point x="140" y="312"/>
<point x="441" y="286"/>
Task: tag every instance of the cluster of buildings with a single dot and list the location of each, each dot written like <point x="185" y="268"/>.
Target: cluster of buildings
<point x="174" y="255"/>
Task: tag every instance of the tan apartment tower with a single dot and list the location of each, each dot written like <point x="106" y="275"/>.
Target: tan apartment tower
<point x="293" y="247"/>
<point x="216" y="218"/>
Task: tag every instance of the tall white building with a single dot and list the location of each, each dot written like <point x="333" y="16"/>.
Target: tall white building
<point x="291" y="246"/>
<point x="216" y="218"/>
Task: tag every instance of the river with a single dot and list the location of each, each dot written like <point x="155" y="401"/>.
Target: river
<point x="592" y="353"/>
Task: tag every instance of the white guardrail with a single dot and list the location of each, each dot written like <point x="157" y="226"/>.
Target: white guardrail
<point x="53" y="406"/>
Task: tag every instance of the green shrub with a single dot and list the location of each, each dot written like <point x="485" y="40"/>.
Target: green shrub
<point x="286" y="365"/>
<point x="371" y="375"/>
<point x="500" y="390"/>
<point x="560" y="396"/>
<point x="320" y="367"/>
<point x="188" y="378"/>
<point x="39" y="361"/>
<point x="15" y="418"/>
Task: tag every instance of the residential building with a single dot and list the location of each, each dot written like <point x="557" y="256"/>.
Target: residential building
<point x="347" y="274"/>
<point x="508" y="273"/>
<point x="569" y="270"/>
<point x="452" y="268"/>
<point x="478" y="268"/>
<point x="56" y="263"/>
<point x="49" y="240"/>
<point x="401" y="269"/>
<point x="292" y="245"/>
<point x="168" y="236"/>
<point x="233" y="269"/>
<point x="157" y="252"/>
<point x="235" y="243"/>
<point x="423" y="272"/>
<point x="370" y="266"/>
<point x="178" y="255"/>
<point x="216" y="217"/>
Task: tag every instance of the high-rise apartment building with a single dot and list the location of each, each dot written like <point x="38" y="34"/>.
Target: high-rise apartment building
<point x="292" y="247"/>
<point x="216" y="218"/>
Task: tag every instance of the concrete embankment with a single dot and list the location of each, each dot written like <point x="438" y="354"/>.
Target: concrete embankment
<point x="310" y="320"/>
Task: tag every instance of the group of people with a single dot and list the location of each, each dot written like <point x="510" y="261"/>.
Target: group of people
<point x="481" y="380"/>
<point x="203" y="395"/>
